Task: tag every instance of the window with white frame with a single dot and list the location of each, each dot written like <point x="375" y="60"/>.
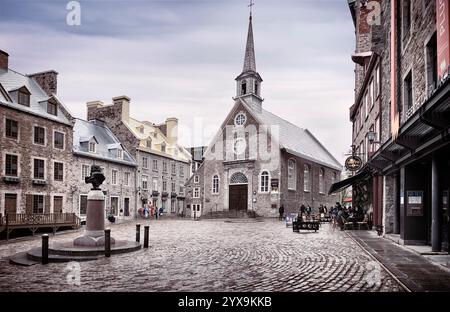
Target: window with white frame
<point x="38" y="168"/>
<point x="11" y="128"/>
<point x="155" y="164"/>
<point x="92" y="147"/>
<point x="173" y="187"/>
<point x="38" y="203"/>
<point x="174" y="168"/>
<point x="114" y="177"/>
<point x="306" y="178"/>
<point x="322" y="181"/>
<point x="85" y="171"/>
<point x="144" y="162"/>
<point x="144" y="182"/>
<point x="196" y="179"/>
<point x="39" y="135"/>
<point x="181" y="190"/>
<point x="11" y="165"/>
<point x="164" y="166"/>
<point x="264" y="182"/>
<point x="377" y="81"/>
<point x="155" y="184"/>
<point x="58" y="140"/>
<point x="181" y="171"/>
<point x="371" y="94"/>
<point x="196" y="192"/>
<point x="58" y="171"/>
<point x="215" y="184"/>
<point x="163" y="147"/>
<point x="164" y="187"/>
<point x="119" y="153"/>
<point x="292" y="175"/>
<point x="126" y="178"/>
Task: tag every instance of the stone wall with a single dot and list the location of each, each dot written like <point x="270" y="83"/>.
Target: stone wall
<point x="25" y="148"/>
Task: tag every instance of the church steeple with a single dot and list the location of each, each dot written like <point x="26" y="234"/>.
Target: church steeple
<point x="249" y="81"/>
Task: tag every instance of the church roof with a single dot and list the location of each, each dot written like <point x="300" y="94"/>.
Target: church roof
<point x="297" y="141"/>
<point x="249" y="60"/>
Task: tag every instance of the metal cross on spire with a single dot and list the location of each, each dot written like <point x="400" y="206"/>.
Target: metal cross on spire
<point x="251" y="6"/>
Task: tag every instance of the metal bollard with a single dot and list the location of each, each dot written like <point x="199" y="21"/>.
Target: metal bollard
<point x="138" y="233"/>
<point x="44" y="259"/>
<point x="108" y="243"/>
<point x="146" y="229"/>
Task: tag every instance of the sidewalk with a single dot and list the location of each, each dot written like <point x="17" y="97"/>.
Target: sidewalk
<point x="416" y="272"/>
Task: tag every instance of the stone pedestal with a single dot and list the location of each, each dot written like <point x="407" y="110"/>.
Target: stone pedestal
<point x="94" y="235"/>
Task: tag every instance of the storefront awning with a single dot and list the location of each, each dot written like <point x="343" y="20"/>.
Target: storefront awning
<point x="339" y="186"/>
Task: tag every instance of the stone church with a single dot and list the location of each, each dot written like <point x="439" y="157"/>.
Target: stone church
<point x="258" y="161"/>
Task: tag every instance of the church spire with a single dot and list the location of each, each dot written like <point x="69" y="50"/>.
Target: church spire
<point x="249" y="81"/>
<point x="249" y="60"/>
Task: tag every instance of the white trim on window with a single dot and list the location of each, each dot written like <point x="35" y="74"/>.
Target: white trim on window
<point x="3" y="169"/>
<point x="64" y="140"/>
<point x="215" y="187"/>
<point x="53" y="171"/>
<point x="114" y="176"/>
<point x="32" y="168"/>
<point x="264" y="189"/>
<point x="45" y="135"/>
<point x="4" y="129"/>
<point x="126" y="181"/>
<point x="196" y="192"/>
<point x="197" y="179"/>
<point x="292" y="174"/>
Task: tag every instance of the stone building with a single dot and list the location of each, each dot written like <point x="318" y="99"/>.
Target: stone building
<point x="163" y="165"/>
<point x="258" y="161"/>
<point x="410" y="39"/>
<point x="95" y="144"/>
<point x="35" y="144"/>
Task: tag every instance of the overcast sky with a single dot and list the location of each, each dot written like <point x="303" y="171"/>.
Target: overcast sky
<point x="180" y="57"/>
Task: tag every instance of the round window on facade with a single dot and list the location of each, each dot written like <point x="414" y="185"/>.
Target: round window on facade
<point x="240" y="119"/>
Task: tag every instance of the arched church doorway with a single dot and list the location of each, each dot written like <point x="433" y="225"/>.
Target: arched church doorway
<point x="238" y="196"/>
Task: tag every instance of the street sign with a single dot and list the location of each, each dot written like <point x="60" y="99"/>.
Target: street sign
<point x="353" y="163"/>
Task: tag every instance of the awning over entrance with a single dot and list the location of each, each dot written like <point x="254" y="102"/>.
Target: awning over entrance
<point x="339" y="186"/>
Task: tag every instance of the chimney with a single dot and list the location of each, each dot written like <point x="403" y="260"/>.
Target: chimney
<point x="4" y="60"/>
<point x="47" y="80"/>
<point x="123" y="102"/>
<point x="172" y="129"/>
<point x="92" y="109"/>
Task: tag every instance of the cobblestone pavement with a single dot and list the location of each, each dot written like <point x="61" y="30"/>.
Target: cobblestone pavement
<point x="210" y="255"/>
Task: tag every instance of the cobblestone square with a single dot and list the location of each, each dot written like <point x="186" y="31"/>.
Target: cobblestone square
<point x="210" y="255"/>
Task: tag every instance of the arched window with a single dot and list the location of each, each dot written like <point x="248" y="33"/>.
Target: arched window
<point x="243" y="88"/>
<point x="215" y="184"/>
<point x="306" y="178"/>
<point x="264" y="182"/>
<point x="292" y="174"/>
<point x="238" y="178"/>
<point x="321" y="181"/>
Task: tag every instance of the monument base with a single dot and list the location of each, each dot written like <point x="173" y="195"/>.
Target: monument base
<point x="91" y="241"/>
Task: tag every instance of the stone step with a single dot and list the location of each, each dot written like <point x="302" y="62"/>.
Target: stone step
<point x="22" y="259"/>
<point x="35" y="254"/>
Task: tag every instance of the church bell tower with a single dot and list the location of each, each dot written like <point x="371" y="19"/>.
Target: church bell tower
<point x="249" y="81"/>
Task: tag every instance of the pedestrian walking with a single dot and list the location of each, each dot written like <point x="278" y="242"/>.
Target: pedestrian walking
<point x="281" y="211"/>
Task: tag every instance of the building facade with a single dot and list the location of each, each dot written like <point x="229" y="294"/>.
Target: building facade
<point x="35" y="144"/>
<point x="258" y="161"/>
<point x="163" y="165"/>
<point x="95" y="144"/>
<point x="411" y="160"/>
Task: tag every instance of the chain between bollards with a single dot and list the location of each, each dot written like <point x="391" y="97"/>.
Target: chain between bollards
<point x="107" y="243"/>
<point x="138" y="233"/>
<point x="44" y="255"/>
<point x="146" y="229"/>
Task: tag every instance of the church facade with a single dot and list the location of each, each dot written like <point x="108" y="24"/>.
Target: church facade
<point x="258" y="161"/>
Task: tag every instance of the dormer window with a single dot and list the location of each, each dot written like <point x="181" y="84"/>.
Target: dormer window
<point x="23" y="98"/>
<point x="92" y="147"/>
<point x="163" y="147"/>
<point x="149" y="143"/>
<point x="244" y="88"/>
<point x="52" y="108"/>
<point x="119" y="153"/>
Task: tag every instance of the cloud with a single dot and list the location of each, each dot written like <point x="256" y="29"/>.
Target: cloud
<point x="180" y="58"/>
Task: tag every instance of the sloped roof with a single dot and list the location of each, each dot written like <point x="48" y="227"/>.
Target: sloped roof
<point x="295" y="140"/>
<point x="11" y="80"/>
<point x="105" y="138"/>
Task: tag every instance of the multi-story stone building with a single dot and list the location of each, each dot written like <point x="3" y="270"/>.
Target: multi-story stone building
<point x="35" y="144"/>
<point x="95" y="144"/>
<point x="163" y="165"/>
<point x="258" y="161"/>
<point x="197" y="156"/>
<point x="410" y="39"/>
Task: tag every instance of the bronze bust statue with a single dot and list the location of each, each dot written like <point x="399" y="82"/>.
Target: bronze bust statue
<point x="97" y="177"/>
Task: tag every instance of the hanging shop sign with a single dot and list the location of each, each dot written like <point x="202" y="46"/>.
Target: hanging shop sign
<point x="414" y="203"/>
<point x="353" y="163"/>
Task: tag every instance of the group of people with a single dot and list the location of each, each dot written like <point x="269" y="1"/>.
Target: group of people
<point x="305" y="211"/>
<point x="340" y="214"/>
<point x="150" y="211"/>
